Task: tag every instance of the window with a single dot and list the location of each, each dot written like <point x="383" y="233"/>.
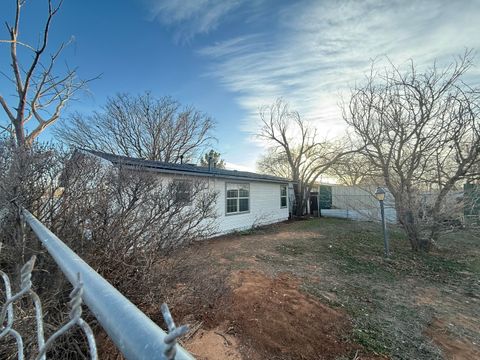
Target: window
<point x="283" y="196"/>
<point x="182" y="190"/>
<point x="237" y="198"/>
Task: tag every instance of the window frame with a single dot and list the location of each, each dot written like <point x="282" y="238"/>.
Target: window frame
<point x="284" y="196"/>
<point x="238" y="212"/>
<point x="189" y="186"/>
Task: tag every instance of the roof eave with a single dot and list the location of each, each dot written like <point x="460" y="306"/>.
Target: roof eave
<point x="208" y="175"/>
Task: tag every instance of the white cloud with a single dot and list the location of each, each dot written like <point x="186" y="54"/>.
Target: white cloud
<point x="191" y="18"/>
<point x="320" y="49"/>
<point x="311" y="52"/>
<point x="239" y="167"/>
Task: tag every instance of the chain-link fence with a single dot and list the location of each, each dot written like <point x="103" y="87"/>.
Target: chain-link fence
<point x="360" y="203"/>
<point x="7" y="311"/>
<point x="471" y="206"/>
<point x="134" y="334"/>
<point x="355" y="203"/>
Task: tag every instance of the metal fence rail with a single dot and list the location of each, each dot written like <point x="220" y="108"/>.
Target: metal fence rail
<point x="134" y="334"/>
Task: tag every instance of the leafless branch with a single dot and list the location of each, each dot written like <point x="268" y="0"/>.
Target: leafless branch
<point x="144" y="127"/>
<point x="37" y="88"/>
<point x="296" y="150"/>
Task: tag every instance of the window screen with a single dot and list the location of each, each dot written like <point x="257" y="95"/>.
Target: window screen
<point x="237" y="198"/>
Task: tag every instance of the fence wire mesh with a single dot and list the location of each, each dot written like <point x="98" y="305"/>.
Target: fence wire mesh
<point x="8" y="311"/>
<point x="164" y="345"/>
<point x="357" y="204"/>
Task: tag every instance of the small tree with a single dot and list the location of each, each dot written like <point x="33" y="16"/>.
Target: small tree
<point x="421" y="130"/>
<point x="148" y="214"/>
<point x="215" y="157"/>
<point x="142" y="126"/>
<point x="295" y="150"/>
<point x="40" y="94"/>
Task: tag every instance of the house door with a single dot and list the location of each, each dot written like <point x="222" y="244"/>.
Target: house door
<point x="314" y="203"/>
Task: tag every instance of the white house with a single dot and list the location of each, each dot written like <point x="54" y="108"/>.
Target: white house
<point x="245" y="199"/>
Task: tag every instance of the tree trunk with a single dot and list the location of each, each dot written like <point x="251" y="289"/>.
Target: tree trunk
<point x="406" y="217"/>
<point x="300" y="199"/>
<point x="436" y="213"/>
<point x="22" y="158"/>
<point x="19" y="133"/>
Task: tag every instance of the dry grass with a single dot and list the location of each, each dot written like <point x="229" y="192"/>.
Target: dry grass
<point x="407" y="307"/>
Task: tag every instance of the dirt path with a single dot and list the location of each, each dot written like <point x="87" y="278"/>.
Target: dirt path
<point x="270" y="318"/>
<point x="454" y="348"/>
<point x="267" y="315"/>
<point x="321" y="290"/>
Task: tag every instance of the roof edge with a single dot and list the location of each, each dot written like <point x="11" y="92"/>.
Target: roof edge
<point x="164" y="167"/>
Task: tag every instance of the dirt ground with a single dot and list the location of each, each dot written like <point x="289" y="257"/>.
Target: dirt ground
<point x="320" y="289"/>
<point x="453" y="346"/>
<point x="273" y="319"/>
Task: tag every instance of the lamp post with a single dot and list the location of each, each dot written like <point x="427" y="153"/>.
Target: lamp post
<point x="380" y="195"/>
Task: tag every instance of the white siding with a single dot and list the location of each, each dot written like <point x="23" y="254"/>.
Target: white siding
<point x="264" y="204"/>
<point x="264" y="207"/>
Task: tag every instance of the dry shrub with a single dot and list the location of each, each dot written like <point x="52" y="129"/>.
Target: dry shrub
<point x="194" y="287"/>
<point x="123" y="222"/>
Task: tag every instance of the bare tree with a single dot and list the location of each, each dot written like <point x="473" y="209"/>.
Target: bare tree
<point x="275" y="162"/>
<point x="148" y="213"/>
<point x="142" y="126"/>
<point x="40" y="92"/>
<point x="293" y="141"/>
<point x="353" y="170"/>
<point x="422" y="131"/>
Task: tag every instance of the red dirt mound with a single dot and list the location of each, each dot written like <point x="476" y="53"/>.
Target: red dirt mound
<point x="277" y="320"/>
<point x="454" y="348"/>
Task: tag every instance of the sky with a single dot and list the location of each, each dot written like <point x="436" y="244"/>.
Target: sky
<point x="230" y="57"/>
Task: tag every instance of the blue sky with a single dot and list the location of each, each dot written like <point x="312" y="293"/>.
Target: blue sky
<point x="227" y="58"/>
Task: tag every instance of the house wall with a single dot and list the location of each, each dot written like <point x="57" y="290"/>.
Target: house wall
<point x="264" y="203"/>
<point x="264" y="206"/>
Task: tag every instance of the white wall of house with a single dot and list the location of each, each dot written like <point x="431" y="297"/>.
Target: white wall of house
<point x="264" y="200"/>
<point x="264" y="203"/>
<point x="264" y="206"/>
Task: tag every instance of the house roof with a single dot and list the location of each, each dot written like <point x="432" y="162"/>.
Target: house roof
<point x="185" y="169"/>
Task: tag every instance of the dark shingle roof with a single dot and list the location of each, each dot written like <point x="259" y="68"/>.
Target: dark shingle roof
<point x="186" y="169"/>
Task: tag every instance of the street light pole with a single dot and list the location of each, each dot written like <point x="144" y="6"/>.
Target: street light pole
<point x="380" y="194"/>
